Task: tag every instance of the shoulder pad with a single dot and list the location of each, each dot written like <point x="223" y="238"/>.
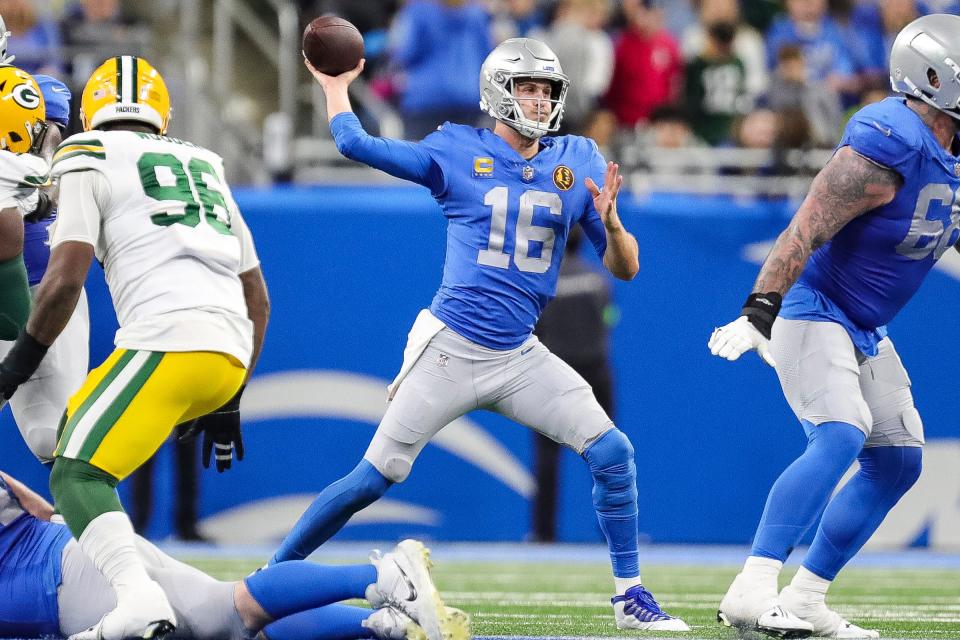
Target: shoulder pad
<point x="878" y="134"/>
<point x="82" y="152"/>
<point x="23" y="171"/>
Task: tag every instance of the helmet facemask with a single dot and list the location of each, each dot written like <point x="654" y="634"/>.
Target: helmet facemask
<point x="510" y="111"/>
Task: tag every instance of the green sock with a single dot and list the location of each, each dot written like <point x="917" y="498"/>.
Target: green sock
<point x="14" y="297"/>
<point x="82" y="492"/>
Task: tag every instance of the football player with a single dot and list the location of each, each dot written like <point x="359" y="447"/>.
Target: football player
<point x="22" y="171"/>
<point x="192" y="306"/>
<point x="877" y="217"/>
<point x="510" y="196"/>
<point x="38" y="406"/>
<point x="53" y="589"/>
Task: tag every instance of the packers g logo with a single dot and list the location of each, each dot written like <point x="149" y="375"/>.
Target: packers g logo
<point x="26" y="96"/>
<point x="563" y="177"/>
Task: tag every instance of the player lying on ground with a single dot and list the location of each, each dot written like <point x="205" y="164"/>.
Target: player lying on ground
<point x="52" y="588"/>
<point x="510" y="196"/>
<point x="878" y="216"/>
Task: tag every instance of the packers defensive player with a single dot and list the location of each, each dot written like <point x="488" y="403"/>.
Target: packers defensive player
<point x="192" y="305"/>
<point x="22" y="171"/>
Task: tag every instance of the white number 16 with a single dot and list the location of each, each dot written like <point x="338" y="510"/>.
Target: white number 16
<point x="526" y="232"/>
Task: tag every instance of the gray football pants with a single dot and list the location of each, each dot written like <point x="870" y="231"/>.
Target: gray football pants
<point x="825" y="378"/>
<point x="203" y="606"/>
<point x="454" y="376"/>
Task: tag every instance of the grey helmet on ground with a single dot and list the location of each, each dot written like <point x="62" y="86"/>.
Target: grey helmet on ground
<point x="925" y="61"/>
<point x="514" y="59"/>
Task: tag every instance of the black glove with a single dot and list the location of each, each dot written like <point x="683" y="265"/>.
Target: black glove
<point x="221" y="430"/>
<point x="19" y="365"/>
<point x="44" y="208"/>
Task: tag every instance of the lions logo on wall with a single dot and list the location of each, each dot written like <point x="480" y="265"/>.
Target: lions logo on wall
<point x="563" y="177"/>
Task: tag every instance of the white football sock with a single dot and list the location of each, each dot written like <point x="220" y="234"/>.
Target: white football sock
<point x="813" y="587"/>
<point x="622" y="584"/>
<point x="762" y="573"/>
<point x="109" y="541"/>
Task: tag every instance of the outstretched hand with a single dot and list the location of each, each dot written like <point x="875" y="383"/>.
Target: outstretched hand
<point x="605" y="200"/>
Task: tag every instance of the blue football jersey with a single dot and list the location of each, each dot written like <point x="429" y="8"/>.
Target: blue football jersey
<point x="36" y="248"/>
<point x="30" y="554"/>
<point x="508" y="221"/>
<point x="875" y="264"/>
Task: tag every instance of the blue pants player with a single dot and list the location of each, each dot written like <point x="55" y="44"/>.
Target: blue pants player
<point x="510" y="196"/>
<point x="878" y="216"/>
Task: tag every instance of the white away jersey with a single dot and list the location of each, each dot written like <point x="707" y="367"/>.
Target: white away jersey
<point x="20" y="175"/>
<point x="172" y="242"/>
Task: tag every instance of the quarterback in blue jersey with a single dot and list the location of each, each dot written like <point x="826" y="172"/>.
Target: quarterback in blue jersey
<point x="510" y="196"/>
<point x="49" y="587"/>
<point x="878" y="216"/>
<point x="38" y="406"/>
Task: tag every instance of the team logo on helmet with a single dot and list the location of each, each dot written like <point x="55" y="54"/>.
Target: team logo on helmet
<point x="26" y="96"/>
<point x="563" y="177"/>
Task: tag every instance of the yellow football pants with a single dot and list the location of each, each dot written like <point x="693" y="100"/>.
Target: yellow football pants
<point x="128" y="406"/>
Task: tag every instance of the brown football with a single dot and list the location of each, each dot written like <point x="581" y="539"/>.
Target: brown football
<point x="332" y="45"/>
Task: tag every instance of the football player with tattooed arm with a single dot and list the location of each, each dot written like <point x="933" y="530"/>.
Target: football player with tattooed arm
<point x="878" y="216"/>
<point x="510" y="196"/>
<point x="192" y="306"/>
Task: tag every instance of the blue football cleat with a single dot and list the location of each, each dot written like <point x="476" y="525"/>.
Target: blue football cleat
<point x="637" y="609"/>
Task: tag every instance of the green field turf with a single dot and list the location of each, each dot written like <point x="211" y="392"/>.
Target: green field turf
<point x="550" y="599"/>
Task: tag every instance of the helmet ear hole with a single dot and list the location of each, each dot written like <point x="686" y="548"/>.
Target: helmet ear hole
<point x="932" y="78"/>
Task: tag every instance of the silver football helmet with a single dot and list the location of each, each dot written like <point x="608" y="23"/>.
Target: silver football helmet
<point x="925" y="61"/>
<point x="521" y="58"/>
<point x="4" y="34"/>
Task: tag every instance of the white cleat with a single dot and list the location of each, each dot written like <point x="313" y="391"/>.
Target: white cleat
<point x="388" y="623"/>
<point x="141" y="612"/>
<point x="826" y="622"/>
<point x="404" y="582"/>
<point x="753" y="606"/>
<point x="637" y="609"/>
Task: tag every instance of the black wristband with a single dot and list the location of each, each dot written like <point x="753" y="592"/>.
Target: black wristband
<point x="25" y="356"/>
<point x="761" y="310"/>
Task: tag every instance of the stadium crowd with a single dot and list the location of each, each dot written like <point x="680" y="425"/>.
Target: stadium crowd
<point x="755" y="74"/>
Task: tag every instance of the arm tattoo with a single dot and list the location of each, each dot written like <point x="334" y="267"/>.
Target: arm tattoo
<point x="848" y="186"/>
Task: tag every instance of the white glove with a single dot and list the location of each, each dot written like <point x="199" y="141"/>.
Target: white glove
<point x="733" y="340"/>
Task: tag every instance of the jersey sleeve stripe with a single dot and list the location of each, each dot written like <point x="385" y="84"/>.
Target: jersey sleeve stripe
<point x="74" y="151"/>
<point x="90" y="142"/>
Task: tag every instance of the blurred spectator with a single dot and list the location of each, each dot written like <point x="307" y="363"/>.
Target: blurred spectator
<point x="669" y="128"/>
<point x="586" y="55"/>
<point x="807" y="24"/>
<point x="760" y="13"/>
<point x="601" y="127"/>
<point x="647" y="68"/>
<point x="791" y="89"/>
<point x="34" y="39"/>
<point x="715" y="85"/>
<point x="775" y="131"/>
<point x="186" y="472"/>
<point x="757" y="130"/>
<point x="870" y="70"/>
<point x="879" y="23"/>
<point x="440" y="46"/>
<point x="574" y="326"/>
<point x="516" y="19"/>
<point x="678" y="15"/>
<point x="94" y="30"/>
<point x="747" y="42"/>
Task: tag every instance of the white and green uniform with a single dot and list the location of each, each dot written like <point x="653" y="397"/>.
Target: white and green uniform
<point x="39" y="403"/>
<point x="159" y="214"/>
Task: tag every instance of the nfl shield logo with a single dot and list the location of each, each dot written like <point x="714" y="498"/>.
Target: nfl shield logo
<point x="527" y="174"/>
